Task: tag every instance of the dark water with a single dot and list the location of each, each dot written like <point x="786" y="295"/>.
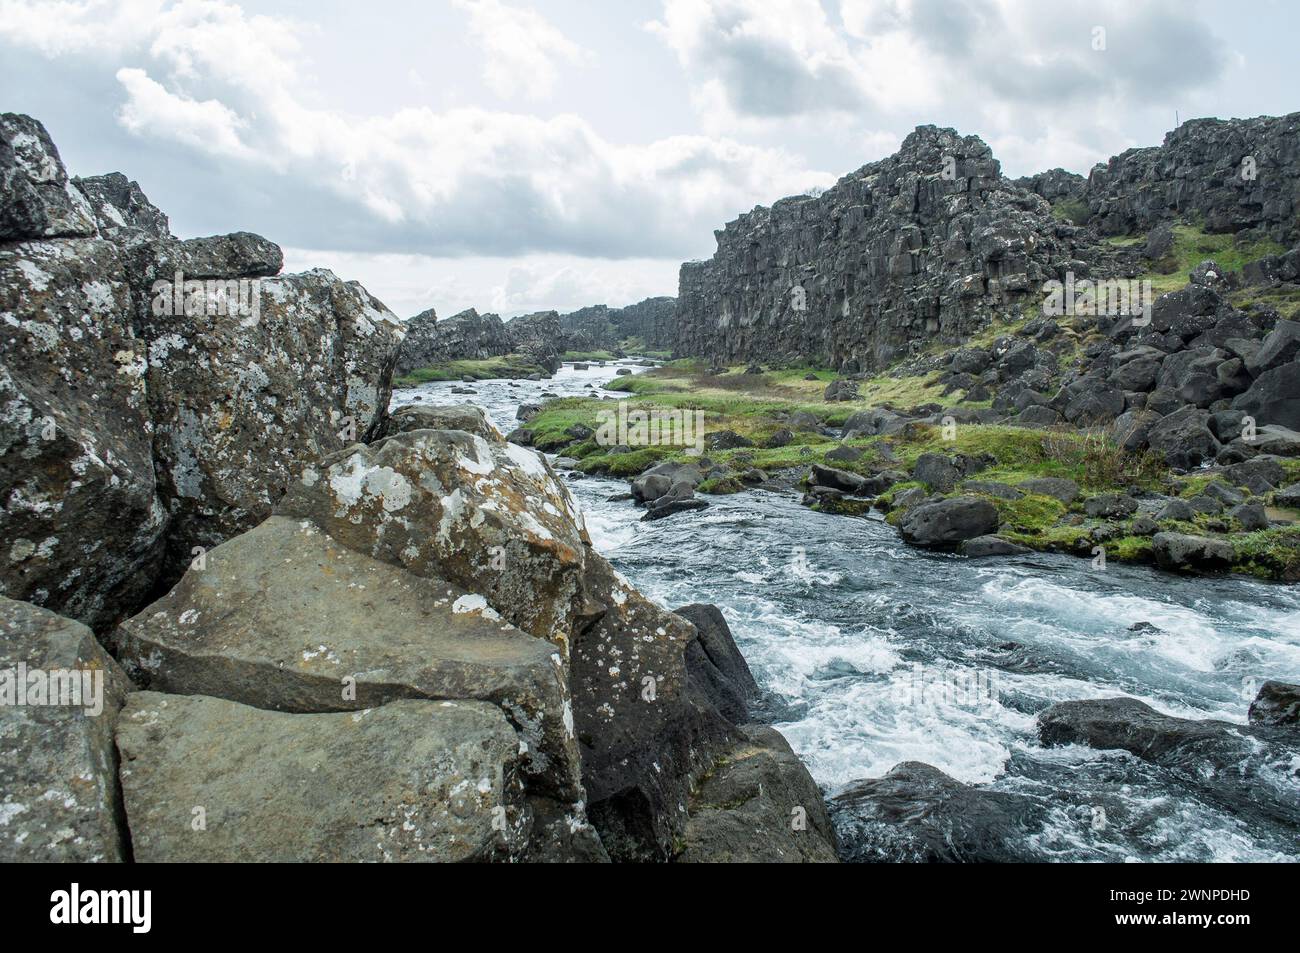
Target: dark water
<point x="874" y="653"/>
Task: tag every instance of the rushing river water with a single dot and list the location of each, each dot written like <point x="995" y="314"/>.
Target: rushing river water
<point x="873" y="652"/>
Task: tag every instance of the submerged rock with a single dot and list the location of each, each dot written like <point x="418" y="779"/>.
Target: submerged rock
<point x="918" y="814"/>
<point x="1277" y="703"/>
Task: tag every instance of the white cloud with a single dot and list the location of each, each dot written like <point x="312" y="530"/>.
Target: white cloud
<point x="506" y="286"/>
<point x="457" y="182"/>
<point x="521" y="48"/>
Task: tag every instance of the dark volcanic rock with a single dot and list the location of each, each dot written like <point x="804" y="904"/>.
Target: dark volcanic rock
<point x="1276" y="704"/>
<point x="1203" y="168"/>
<point x="36" y="198"/>
<point x="1235" y="762"/>
<point x="1274" y="398"/>
<point x="715" y="665"/>
<point x="949" y="522"/>
<point x="926" y="244"/>
<point x="59" y="796"/>
<point x="918" y="814"/>
<point x="462" y="337"/>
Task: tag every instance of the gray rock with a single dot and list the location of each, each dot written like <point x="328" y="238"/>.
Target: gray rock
<point x="991" y="546"/>
<point x="79" y="514"/>
<point x="1274" y="398"/>
<point x="949" y="522"/>
<point x="464" y="417"/>
<point x="715" y="665"/>
<point x="467" y="336"/>
<point x="1111" y="505"/>
<point x="918" y="814"/>
<point x="1179" y="551"/>
<point x="1176" y="509"/>
<point x="758" y="806"/>
<point x="1251" y="516"/>
<point x="936" y="471"/>
<point x="1067" y="491"/>
<point x="835" y="479"/>
<point x="1002" y="491"/>
<point x="411" y="781"/>
<point x="285" y="618"/>
<point x="1183" y="438"/>
<point x="59" y="796"/>
<point x="1281" y="346"/>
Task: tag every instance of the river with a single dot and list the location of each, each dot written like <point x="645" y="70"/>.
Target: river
<point x="872" y="652"/>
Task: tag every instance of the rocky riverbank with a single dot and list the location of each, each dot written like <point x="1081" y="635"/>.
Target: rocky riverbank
<point x="308" y="629"/>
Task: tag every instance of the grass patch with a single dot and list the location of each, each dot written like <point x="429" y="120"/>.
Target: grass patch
<point x="586" y="356"/>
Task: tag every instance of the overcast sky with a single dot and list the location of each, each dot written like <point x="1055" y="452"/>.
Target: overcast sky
<point x="516" y="155"/>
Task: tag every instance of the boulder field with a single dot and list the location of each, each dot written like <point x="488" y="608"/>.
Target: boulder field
<point x="259" y="619"/>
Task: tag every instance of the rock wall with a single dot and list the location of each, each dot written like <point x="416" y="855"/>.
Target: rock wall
<point x="600" y="327"/>
<point x="922" y="246"/>
<point x="142" y="420"/>
<point x="1238" y="175"/>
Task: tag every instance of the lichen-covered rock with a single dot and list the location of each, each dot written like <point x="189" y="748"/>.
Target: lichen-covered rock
<point x="122" y="211"/>
<point x="36" y="198"/>
<point x="493" y="519"/>
<point x="539" y="337"/>
<point x="59" y="796"/>
<point x="80" y="518"/>
<point x="758" y="805"/>
<point x="490" y="517"/>
<point x="207" y="780"/>
<point x="242" y="401"/>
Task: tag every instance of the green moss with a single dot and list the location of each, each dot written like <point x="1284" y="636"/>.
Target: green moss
<point x="1269" y="553"/>
<point x="1130" y="549"/>
<point x="1193" y="245"/>
<point x="721" y="486"/>
<point x="588" y="356"/>
<point x="1070" y="210"/>
<point x="625" y="464"/>
<point x="1031" y="514"/>
<point x="846" y="506"/>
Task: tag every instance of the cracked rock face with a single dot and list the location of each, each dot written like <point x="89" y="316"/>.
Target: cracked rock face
<point x="926" y="244"/>
<point x="59" y="796"/>
<point x="1238" y="174"/>
<point x="467" y="336"/>
<point x="207" y="780"/>
<point x="283" y="617"/>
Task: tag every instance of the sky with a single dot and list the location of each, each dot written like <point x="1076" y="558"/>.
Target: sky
<point x="516" y="156"/>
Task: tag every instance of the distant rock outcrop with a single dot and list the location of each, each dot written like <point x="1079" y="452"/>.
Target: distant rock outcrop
<point x="923" y="246"/>
<point x="467" y="336"/>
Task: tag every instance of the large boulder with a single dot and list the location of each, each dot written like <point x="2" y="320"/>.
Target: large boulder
<point x="494" y="519"/>
<point x="1274" y="398"/>
<point x="80" y="519"/>
<point x="1281" y="346"/>
<point x="122" y="211"/>
<point x="1277" y="703"/>
<point x="283" y="617"/>
<point x="918" y="814"/>
<point x="464" y="417"/>
<point x="1179" y="551"/>
<point x="490" y="517"/>
<point x="59" y="796"/>
<point x="207" y="780"/>
<point x="947" y="523"/>
<point x="1183" y="438"/>
<point x="36" y="198"/>
<point x="1236" y="763"/>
